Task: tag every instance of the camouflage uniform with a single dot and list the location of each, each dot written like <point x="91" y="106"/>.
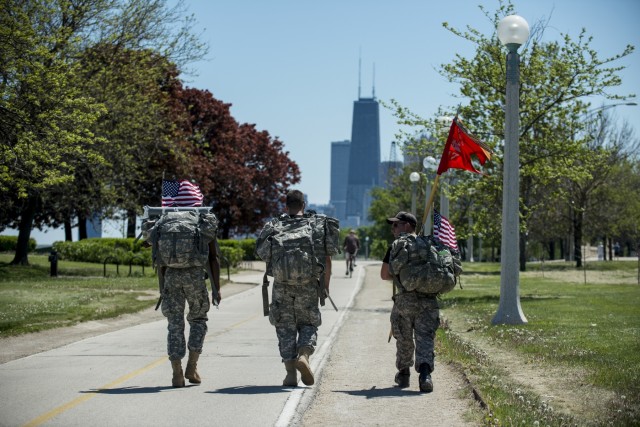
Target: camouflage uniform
<point x="294" y="309"/>
<point x="180" y="285"/>
<point x="414" y="314"/>
<point x="295" y="313"/>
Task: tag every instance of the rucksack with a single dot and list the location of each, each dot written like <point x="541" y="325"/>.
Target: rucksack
<point x="180" y="239"/>
<point x="424" y="264"/>
<point x="294" y="247"/>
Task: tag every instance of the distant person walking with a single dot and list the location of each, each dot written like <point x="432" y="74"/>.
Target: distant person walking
<point x="351" y="247"/>
<point x="415" y="318"/>
<point x="297" y="248"/>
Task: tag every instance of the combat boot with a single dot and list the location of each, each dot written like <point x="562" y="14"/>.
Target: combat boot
<point x="178" y="378"/>
<point x="302" y="365"/>
<point x="426" y="384"/>
<point x="402" y="378"/>
<point x="291" y="380"/>
<point x="191" y="372"/>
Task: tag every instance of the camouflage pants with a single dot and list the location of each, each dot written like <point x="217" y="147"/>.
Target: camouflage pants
<point x="414" y="317"/>
<point x="185" y="285"/>
<point x="295" y="313"/>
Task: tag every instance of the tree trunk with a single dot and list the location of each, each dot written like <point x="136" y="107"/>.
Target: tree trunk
<point x="82" y="226"/>
<point x="131" y="223"/>
<point x="24" y="231"/>
<point x="552" y="250"/>
<point x="523" y="252"/>
<point x="68" y="232"/>
<point x="577" y="238"/>
<point x="610" y="249"/>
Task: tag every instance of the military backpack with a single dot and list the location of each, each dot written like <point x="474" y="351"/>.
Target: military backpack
<point x="424" y="264"/>
<point x="294" y="247"/>
<point x="180" y="239"/>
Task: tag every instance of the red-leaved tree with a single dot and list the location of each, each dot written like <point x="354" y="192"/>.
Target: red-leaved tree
<point x="243" y="173"/>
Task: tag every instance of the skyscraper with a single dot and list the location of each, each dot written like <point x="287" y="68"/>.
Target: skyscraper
<point x="339" y="177"/>
<point x="364" y="160"/>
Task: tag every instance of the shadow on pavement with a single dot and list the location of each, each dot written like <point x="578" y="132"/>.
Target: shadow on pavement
<point x="129" y="390"/>
<point x="374" y="392"/>
<point x="253" y="389"/>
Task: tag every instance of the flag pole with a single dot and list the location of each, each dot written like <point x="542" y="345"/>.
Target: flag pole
<point x="427" y="208"/>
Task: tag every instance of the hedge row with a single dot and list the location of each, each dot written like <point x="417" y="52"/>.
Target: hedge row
<point x="121" y="250"/>
<point x="126" y="251"/>
<point x="9" y="243"/>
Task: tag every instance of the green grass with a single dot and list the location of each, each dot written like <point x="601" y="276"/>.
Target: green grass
<point x="31" y="300"/>
<point x="593" y="327"/>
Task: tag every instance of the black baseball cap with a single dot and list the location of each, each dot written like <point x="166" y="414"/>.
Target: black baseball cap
<point x="405" y="217"/>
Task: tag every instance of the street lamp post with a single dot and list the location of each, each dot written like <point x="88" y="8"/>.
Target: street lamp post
<point x="414" y="177"/>
<point x="430" y="164"/>
<point x="366" y="247"/>
<point x="513" y="31"/>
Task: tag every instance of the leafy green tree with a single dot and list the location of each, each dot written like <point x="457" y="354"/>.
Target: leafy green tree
<point x="46" y="120"/>
<point x="53" y="142"/>
<point x="557" y="80"/>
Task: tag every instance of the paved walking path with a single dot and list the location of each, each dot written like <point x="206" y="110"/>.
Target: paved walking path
<point x="111" y="374"/>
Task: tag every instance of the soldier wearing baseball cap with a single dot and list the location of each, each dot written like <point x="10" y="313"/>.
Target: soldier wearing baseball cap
<point x="403" y="217"/>
<point x="414" y="318"/>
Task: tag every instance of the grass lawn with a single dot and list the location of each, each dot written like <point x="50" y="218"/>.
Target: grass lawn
<point x="31" y="300"/>
<point x="591" y="328"/>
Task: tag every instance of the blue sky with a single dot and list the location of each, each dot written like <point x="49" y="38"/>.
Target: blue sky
<point x="291" y="66"/>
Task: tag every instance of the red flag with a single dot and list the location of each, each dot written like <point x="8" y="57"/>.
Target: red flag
<point x="459" y="148"/>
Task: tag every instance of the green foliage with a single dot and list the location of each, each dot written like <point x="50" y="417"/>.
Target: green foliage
<point x="76" y="126"/>
<point x="231" y="256"/>
<point x="248" y="247"/>
<point x="560" y="159"/>
<point x="97" y="250"/>
<point x="9" y="243"/>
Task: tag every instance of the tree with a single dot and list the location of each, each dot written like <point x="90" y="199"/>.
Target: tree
<point x="557" y="80"/>
<point x="47" y="121"/>
<point x="243" y="172"/>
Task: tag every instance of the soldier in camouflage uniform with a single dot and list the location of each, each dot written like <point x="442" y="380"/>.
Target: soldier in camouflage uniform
<point x="414" y="314"/>
<point x="184" y="286"/>
<point x="294" y="310"/>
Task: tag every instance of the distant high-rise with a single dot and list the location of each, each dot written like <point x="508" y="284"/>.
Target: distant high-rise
<point x="339" y="177"/>
<point x="364" y="160"/>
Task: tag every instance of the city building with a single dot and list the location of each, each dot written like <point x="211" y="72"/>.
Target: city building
<point x="364" y="160"/>
<point x="339" y="177"/>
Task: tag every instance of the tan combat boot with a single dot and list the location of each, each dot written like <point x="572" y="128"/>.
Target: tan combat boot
<point x="191" y="372"/>
<point x="302" y="365"/>
<point x="291" y="380"/>
<point x="178" y="378"/>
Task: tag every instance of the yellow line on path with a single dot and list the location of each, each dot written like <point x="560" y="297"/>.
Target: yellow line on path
<point x="69" y="405"/>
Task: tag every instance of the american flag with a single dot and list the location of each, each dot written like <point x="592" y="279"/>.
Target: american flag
<point x="444" y="231"/>
<point x="180" y="193"/>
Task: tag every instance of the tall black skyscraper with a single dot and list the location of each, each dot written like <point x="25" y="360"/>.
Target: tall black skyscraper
<point x="364" y="159"/>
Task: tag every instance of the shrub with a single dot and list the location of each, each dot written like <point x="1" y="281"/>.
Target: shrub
<point x="232" y="254"/>
<point x="9" y="243"/>
<point x="98" y="249"/>
<point x="248" y="247"/>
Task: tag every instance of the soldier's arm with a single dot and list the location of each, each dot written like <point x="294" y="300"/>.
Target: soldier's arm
<point x="384" y="272"/>
<point x="327" y="272"/>
<point x="214" y="262"/>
